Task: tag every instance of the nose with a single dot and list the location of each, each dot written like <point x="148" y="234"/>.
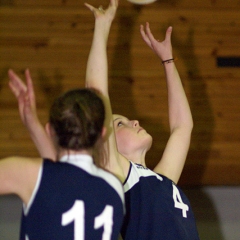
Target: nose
<point x="135" y="123"/>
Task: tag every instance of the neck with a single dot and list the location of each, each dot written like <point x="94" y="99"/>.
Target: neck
<point x="137" y="157"/>
<point x="64" y="152"/>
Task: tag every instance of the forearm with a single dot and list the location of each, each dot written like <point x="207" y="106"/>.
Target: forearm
<point x="180" y="116"/>
<point x="181" y="124"/>
<point x="97" y="73"/>
<point x="43" y="142"/>
<point x="97" y="65"/>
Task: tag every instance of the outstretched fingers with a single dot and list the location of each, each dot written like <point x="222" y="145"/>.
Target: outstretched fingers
<point x="149" y="33"/>
<point x="25" y="96"/>
<point x="19" y="89"/>
<point x="145" y="36"/>
<point x="30" y="88"/>
<point x="16" y="84"/>
<point x="148" y="36"/>
<point x="90" y="7"/>
<point x="168" y="34"/>
<point x="108" y="13"/>
<point x="113" y="3"/>
<point x="162" y="48"/>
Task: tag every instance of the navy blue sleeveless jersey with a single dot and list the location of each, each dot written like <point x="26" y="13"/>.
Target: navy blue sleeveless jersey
<point x="156" y="209"/>
<point x="74" y="200"/>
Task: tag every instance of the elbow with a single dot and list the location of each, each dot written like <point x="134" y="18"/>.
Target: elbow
<point x="191" y="125"/>
<point x="186" y="126"/>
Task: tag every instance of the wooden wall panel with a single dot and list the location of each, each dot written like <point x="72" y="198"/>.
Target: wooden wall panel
<point x="53" y="39"/>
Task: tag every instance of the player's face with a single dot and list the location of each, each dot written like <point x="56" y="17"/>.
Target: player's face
<point x="130" y="136"/>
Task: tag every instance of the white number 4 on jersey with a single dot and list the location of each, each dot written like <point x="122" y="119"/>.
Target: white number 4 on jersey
<point x="178" y="203"/>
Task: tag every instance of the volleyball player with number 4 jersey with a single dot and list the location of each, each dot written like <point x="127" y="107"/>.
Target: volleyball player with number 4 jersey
<point x="156" y="208"/>
<point x="72" y="198"/>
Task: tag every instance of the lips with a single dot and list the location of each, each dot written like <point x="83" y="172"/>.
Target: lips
<point x="140" y="129"/>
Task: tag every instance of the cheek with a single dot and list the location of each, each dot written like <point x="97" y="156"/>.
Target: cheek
<point x="122" y="138"/>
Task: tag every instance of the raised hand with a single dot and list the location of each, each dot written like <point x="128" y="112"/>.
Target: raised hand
<point x="162" y="49"/>
<point x="25" y="96"/>
<point x="107" y="14"/>
<point x="28" y="113"/>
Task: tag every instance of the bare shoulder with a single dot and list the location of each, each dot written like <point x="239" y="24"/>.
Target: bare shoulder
<point x="18" y="175"/>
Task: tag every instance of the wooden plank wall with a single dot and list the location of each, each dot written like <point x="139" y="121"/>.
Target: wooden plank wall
<point x="53" y="37"/>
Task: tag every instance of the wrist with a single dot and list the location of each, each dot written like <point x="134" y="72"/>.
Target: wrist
<point x="33" y="125"/>
<point x="103" y="22"/>
<point x="102" y="27"/>
<point x="169" y="60"/>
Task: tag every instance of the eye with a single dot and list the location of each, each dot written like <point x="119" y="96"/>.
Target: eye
<point x="120" y="124"/>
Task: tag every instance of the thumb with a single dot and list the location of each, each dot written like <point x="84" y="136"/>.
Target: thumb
<point x="168" y="33"/>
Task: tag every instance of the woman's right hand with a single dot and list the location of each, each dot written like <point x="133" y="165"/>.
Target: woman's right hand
<point x="107" y="14"/>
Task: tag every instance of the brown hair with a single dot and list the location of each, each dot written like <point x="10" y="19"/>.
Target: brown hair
<point x="77" y="118"/>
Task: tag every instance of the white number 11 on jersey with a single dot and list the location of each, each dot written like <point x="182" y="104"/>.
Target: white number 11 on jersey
<point x="77" y="215"/>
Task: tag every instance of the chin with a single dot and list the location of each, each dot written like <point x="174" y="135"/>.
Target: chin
<point x="148" y="142"/>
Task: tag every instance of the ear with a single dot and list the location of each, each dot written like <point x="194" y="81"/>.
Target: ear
<point x="104" y="132"/>
<point x="50" y="132"/>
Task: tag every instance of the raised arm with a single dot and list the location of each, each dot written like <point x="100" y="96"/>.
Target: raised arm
<point x="27" y="110"/>
<point x="97" y="65"/>
<point x="97" y="77"/>
<point x="180" y="118"/>
<point x="18" y="175"/>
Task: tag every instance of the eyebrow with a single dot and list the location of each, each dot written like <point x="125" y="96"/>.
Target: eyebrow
<point x="121" y="118"/>
<point x="116" y="119"/>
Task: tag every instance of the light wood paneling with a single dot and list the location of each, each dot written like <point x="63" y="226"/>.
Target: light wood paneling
<point x="53" y="39"/>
